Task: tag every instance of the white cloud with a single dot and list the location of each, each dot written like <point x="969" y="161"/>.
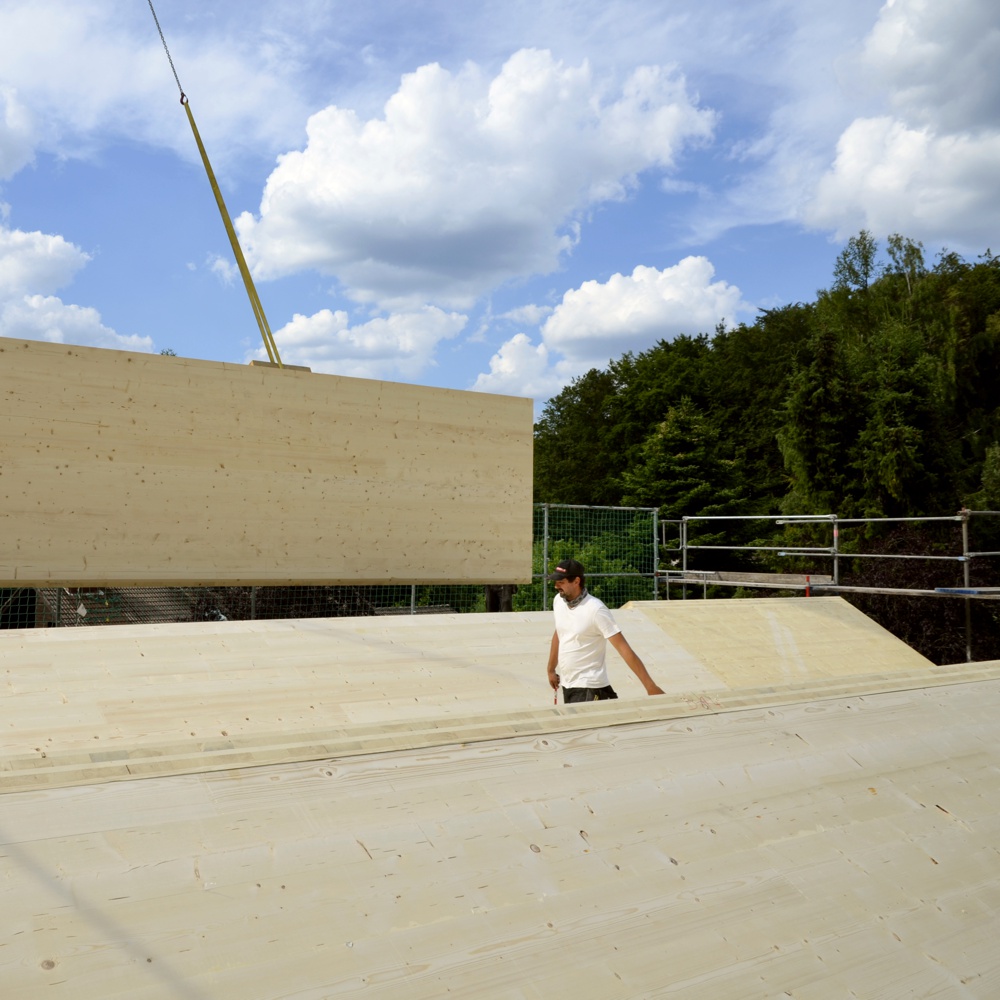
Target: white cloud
<point x="520" y="368"/>
<point x="36" y="262"/>
<point x="852" y="90"/>
<point x="15" y="134"/>
<point x="224" y="269"/>
<point x="32" y="266"/>
<point x="80" y="73"/>
<point x="599" y="321"/>
<point x="472" y="174"/>
<point x="46" y="317"/>
<point x="937" y="62"/>
<point x="788" y="85"/>
<point x="529" y="315"/>
<point x="465" y="181"/>
<point x="891" y="178"/>
<point x="926" y="166"/>
<point x="400" y="345"/>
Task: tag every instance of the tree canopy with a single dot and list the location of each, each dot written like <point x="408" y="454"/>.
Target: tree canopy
<point x="877" y="399"/>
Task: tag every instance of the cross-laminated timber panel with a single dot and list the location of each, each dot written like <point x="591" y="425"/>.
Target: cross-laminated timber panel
<point x="125" y="701"/>
<point x="828" y="833"/>
<point x="121" y="468"/>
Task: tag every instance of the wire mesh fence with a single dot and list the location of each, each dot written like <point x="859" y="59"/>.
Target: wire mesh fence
<point x="617" y="545"/>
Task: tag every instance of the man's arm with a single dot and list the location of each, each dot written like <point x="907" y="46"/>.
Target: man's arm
<point x="627" y="653"/>
<point x="554" y="661"/>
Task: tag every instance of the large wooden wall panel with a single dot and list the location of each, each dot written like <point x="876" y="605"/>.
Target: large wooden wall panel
<point x="120" y="468"/>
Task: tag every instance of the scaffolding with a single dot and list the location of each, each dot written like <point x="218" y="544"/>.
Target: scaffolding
<point x="682" y="572"/>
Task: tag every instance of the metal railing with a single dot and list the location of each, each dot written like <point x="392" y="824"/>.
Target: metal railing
<point x="598" y="537"/>
<point x="833" y="553"/>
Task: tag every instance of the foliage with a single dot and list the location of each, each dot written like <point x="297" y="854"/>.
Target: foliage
<point x="573" y="463"/>
<point x="591" y="431"/>
<point x="876" y="400"/>
<point x="614" y="556"/>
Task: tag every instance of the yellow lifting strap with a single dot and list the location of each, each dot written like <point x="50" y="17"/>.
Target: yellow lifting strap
<point x="255" y="304"/>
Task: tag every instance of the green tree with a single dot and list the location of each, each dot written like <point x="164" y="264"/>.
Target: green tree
<point x="819" y="429"/>
<point x="855" y="267"/>
<point x="649" y="383"/>
<point x="572" y="462"/>
<point x="854" y="271"/>
<point x="752" y="366"/>
<point x="987" y="497"/>
<point x="907" y="261"/>
<point x="902" y="453"/>
<point x="680" y="469"/>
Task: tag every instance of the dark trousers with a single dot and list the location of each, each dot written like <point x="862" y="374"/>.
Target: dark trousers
<point x="572" y="695"/>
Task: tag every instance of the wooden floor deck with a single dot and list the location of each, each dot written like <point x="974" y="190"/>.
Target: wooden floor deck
<point x="394" y="808"/>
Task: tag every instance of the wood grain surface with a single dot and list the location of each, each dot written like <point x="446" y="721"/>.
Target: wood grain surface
<point x="122" y="468"/>
<point x="394" y="815"/>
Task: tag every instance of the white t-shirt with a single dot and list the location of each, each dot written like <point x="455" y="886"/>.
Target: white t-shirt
<point x="583" y="633"/>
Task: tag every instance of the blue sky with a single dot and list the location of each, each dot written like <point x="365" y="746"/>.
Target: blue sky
<point x="493" y="196"/>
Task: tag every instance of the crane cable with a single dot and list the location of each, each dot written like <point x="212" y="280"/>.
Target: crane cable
<point x="255" y="303"/>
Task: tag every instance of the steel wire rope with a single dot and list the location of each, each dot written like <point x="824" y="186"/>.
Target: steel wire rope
<point x="255" y="304"/>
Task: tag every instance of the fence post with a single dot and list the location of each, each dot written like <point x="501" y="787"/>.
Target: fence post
<point x="656" y="554"/>
<point x="966" y="583"/>
<point x="684" y="555"/>
<point x="545" y="555"/>
<point x="836" y="551"/>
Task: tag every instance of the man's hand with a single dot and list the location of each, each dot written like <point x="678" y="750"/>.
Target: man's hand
<point x="554" y="662"/>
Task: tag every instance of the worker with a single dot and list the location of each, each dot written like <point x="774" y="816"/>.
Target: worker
<point x="584" y="627"/>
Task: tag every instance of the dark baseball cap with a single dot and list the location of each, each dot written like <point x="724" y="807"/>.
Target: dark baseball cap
<point x="568" y="568"/>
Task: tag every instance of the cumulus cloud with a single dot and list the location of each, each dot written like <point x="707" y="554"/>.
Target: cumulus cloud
<point x="400" y="345"/>
<point x="851" y="88"/>
<point x="529" y="315"/>
<point x="36" y="262"/>
<point x="465" y="181"/>
<point x="600" y="321"/>
<point x="32" y="266"/>
<point x="520" y="368"/>
<point x="888" y="177"/>
<point x="46" y="317"/>
<point x="927" y="167"/>
<point x="937" y="62"/>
